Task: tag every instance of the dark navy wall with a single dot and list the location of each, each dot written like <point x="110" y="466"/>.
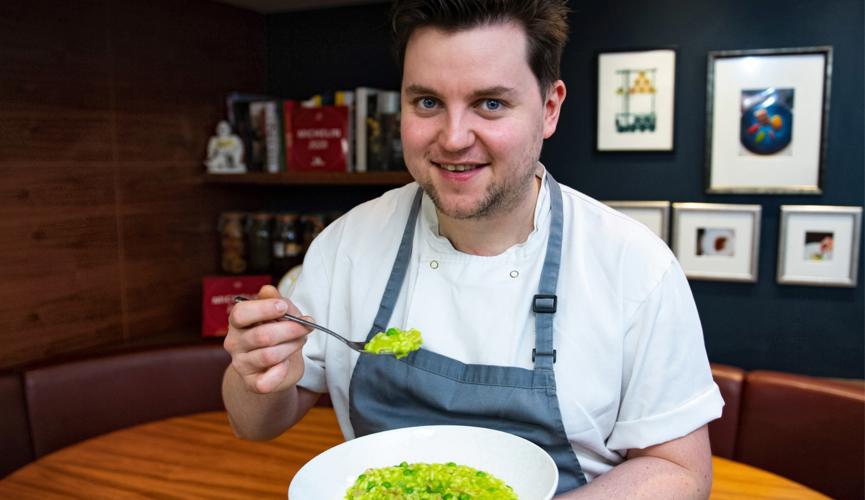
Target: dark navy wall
<point x="330" y="49"/>
<point x="811" y="330"/>
<point x="762" y="325"/>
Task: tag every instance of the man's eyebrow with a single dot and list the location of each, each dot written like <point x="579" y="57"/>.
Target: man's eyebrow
<point x="495" y="91"/>
<point x="415" y="89"/>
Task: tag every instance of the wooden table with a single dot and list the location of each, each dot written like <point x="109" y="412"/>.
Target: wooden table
<point x="197" y="456"/>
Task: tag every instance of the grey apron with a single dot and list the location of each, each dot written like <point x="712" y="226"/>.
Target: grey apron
<point x="426" y="388"/>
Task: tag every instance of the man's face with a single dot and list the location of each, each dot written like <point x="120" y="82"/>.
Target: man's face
<point x="473" y="118"/>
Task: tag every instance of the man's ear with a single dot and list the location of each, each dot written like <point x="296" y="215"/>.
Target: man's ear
<point x="552" y="106"/>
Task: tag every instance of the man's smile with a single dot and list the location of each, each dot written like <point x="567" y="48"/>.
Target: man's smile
<point x="459" y="167"/>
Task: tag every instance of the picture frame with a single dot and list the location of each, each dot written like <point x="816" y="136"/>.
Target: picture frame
<point x="716" y="241"/>
<point x="767" y="114"/>
<point x="653" y="214"/>
<point x="636" y="100"/>
<point x="818" y="245"/>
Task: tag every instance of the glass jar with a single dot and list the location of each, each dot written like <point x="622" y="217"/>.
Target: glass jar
<point x="232" y="243"/>
<point x="313" y="224"/>
<point x="287" y="244"/>
<point x="260" y="244"/>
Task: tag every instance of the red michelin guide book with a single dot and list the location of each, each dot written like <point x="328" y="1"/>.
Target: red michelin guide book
<point x="218" y="294"/>
<point x="320" y="140"/>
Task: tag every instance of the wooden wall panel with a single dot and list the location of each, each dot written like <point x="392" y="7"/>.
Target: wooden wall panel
<point x="55" y="90"/>
<point x="105" y="110"/>
<point x="166" y="253"/>
<point x="32" y="189"/>
<point x="61" y="314"/>
<point x="179" y="60"/>
<point x="59" y="260"/>
<point x="169" y="219"/>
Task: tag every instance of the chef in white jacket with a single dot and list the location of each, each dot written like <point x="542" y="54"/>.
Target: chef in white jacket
<point x="544" y="313"/>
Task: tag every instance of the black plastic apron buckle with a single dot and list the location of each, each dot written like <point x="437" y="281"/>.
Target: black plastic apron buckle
<point x="544" y="303"/>
<point x="553" y="354"/>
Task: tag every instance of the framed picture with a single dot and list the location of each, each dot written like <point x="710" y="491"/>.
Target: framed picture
<point x="635" y="100"/>
<point x="819" y="245"/>
<point x="716" y="241"/>
<point x="766" y="119"/>
<point x="654" y="214"/>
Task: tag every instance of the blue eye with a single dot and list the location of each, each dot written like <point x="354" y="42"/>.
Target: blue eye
<point x="427" y="103"/>
<point x="492" y="104"/>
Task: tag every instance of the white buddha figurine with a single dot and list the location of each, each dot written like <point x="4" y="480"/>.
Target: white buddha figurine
<point x="225" y="151"/>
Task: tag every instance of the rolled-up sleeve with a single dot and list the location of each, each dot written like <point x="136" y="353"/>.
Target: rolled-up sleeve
<point x="667" y="386"/>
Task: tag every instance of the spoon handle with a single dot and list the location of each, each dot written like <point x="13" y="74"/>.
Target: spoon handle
<point x="309" y="324"/>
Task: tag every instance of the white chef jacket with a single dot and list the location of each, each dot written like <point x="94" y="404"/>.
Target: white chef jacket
<point x="631" y="367"/>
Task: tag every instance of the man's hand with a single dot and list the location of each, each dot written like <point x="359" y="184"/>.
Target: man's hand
<point x="266" y="352"/>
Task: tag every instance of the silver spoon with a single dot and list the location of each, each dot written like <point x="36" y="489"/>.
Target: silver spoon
<point x="357" y="346"/>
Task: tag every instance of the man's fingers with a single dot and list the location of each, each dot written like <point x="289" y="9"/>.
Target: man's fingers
<point x="271" y="292"/>
<point x="270" y="356"/>
<point x="271" y="334"/>
<point x="265" y="351"/>
<point x="268" y="292"/>
<point x="270" y="380"/>
<point x="275" y="376"/>
<point x="246" y="314"/>
<point x="260" y="360"/>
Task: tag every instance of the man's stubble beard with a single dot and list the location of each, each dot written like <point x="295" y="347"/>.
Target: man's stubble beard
<point x="498" y="199"/>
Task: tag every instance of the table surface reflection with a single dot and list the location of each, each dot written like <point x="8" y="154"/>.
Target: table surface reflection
<point x="197" y="456"/>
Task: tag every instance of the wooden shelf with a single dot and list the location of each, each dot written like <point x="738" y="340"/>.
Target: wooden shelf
<point x="313" y="178"/>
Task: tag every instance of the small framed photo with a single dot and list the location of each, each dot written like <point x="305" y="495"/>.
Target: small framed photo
<point x="654" y="214"/>
<point x="716" y="241"/>
<point x="636" y="94"/>
<point x="766" y="120"/>
<point x="819" y="245"/>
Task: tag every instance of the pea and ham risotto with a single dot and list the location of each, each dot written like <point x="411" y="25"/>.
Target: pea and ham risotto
<point x="395" y="341"/>
<point x="422" y="481"/>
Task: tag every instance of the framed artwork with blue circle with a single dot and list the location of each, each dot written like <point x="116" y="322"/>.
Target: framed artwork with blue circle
<point x="766" y="120"/>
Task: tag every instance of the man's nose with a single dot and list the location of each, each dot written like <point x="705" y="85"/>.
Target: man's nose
<point x="458" y="133"/>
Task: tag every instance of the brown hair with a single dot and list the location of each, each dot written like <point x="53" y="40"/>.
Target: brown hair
<point x="545" y="23"/>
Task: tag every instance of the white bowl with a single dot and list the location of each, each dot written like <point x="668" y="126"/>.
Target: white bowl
<point x="523" y="465"/>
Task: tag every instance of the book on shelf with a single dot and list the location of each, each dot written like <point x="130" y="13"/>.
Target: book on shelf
<point x="288" y="107"/>
<point x="338" y="98"/>
<point x="320" y="139"/>
<point x="388" y="145"/>
<point x="267" y="150"/>
<point x="346" y="98"/>
<point x="237" y="112"/>
<point x="365" y="105"/>
<point x="282" y="135"/>
<point x="378" y="146"/>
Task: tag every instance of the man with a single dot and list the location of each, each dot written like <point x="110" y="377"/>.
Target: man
<point x="544" y="313"/>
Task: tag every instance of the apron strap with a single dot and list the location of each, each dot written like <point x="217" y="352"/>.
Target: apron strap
<point x="545" y="302"/>
<point x="397" y="274"/>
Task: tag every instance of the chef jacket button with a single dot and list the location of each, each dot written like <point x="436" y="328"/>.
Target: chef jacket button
<point x="514" y="273"/>
<point x="434" y="264"/>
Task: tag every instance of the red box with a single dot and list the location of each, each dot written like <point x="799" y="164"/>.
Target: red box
<point x="218" y="294"/>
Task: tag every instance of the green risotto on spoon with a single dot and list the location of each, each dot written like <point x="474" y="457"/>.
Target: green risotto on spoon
<point x="429" y="482"/>
<point x="395" y="341"/>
